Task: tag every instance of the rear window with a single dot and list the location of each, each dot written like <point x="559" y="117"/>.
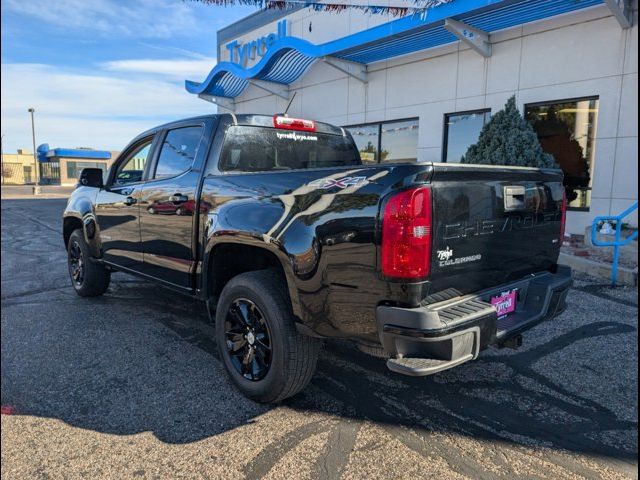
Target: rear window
<point x="258" y="149"/>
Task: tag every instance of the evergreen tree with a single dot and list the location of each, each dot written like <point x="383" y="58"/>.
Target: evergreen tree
<point x="508" y="139"/>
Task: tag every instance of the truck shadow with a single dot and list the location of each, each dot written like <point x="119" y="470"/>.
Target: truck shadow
<point x="500" y="397"/>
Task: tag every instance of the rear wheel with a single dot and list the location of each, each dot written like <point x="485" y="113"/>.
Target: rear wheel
<point x="89" y="279"/>
<point x="262" y="351"/>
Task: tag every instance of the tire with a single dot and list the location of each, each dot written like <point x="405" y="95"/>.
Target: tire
<point x="373" y="350"/>
<point x="92" y="279"/>
<point x="291" y="358"/>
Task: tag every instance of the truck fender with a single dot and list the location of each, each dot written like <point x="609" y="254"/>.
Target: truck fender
<point x="255" y="241"/>
<point x="80" y="212"/>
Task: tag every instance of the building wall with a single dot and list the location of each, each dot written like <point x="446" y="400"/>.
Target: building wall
<point x="13" y="168"/>
<point x="68" y="180"/>
<point x="576" y="55"/>
<point x="315" y="27"/>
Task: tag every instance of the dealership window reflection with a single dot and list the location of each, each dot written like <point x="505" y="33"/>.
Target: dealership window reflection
<point x="461" y="130"/>
<point x="567" y="130"/>
<point x="367" y="139"/>
<point x="399" y="142"/>
<point x="387" y="142"/>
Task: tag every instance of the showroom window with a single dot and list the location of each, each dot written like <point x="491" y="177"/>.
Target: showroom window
<point x="367" y="138"/>
<point x="74" y="168"/>
<point x="567" y="130"/>
<point x="387" y="142"/>
<point x="461" y="130"/>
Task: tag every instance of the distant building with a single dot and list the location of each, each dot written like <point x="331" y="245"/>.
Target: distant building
<point x="18" y="168"/>
<point x="63" y="165"/>
<point x="57" y="166"/>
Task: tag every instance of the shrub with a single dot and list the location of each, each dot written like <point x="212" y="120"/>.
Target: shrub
<point x="508" y="139"/>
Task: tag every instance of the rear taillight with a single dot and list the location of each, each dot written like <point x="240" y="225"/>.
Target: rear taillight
<point x="563" y="216"/>
<point x="288" y="123"/>
<point x="406" y="234"/>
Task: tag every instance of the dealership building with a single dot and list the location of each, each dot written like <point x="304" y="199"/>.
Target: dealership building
<point x="419" y="88"/>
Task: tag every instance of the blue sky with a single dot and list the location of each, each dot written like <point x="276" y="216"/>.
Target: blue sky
<point x="98" y="72"/>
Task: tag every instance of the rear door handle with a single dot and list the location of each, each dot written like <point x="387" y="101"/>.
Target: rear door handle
<point x="178" y="198"/>
<point x="130" y="201"/>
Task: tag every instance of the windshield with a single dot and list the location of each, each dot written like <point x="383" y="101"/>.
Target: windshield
<point x="260" y="149"/>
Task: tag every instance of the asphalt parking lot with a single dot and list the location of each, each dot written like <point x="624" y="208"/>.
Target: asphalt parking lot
<point x="129" y="385"/>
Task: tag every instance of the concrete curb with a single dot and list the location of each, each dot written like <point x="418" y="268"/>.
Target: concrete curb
<point x="626" y="276"/>
<point x="27" y="190"/>
<point x="42" y="196"/>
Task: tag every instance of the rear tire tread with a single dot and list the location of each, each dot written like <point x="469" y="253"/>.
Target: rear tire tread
<point x="96" y="276"/>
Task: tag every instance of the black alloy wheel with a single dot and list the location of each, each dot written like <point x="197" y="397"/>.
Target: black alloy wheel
<point x="76" y="263"/>
<point x="248" y="339"/>
<point x="88" y="277"/>
<point x="263" y="352"/>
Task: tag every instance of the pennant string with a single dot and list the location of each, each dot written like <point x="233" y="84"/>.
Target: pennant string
<point x="393" y="11"/>
<point x="340" y="7"/>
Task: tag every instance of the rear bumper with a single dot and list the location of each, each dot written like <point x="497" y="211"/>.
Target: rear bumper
<point x="429" y="339"/>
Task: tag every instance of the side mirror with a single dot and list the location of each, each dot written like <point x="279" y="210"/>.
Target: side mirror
<point x="91" y="177"/>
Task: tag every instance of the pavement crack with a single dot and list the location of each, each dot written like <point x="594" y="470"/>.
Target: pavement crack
<point x="335" y="457"/>
<point x="35" y="291"/>
<point x="34" y="220"/>
<point x="269" y="456"/>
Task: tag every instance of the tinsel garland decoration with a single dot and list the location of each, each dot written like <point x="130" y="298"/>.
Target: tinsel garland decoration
<point x="341" y="7"/>
<point x="393" y="11"/>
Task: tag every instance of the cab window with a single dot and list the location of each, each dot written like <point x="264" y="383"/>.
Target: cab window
<point x="178" y="151"/>
<point x="260" y="149"/>
<point x="132" y="169"/>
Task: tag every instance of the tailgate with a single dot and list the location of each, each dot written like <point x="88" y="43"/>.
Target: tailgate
<point x="492" y="225"/>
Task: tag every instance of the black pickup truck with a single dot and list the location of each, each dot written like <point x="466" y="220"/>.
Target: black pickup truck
<point x="290" y="238"/>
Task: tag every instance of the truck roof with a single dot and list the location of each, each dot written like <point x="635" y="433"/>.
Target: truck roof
<point x="249" y="119"/>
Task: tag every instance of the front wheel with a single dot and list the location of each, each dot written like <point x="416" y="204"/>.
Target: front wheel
<point x="89" y="279"/>
<point x="263" y="353"/>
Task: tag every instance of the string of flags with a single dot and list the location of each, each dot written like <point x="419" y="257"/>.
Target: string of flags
<point x="374" y="133"/>
<point x="392" y="11"/>
<point x="421" y="8"/>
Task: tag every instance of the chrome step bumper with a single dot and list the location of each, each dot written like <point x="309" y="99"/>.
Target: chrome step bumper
<point x="436" y="337"/>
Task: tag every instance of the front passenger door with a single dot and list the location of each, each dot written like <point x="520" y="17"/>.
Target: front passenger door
<point x="117" y="207"/>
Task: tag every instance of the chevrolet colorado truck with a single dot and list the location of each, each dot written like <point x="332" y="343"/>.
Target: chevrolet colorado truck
<point x="278" y="225"/>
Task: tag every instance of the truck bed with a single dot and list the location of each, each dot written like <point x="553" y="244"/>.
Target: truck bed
<point x="326" y="223"/>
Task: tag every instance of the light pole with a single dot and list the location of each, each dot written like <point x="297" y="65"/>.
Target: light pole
<point x="36" y="189"/>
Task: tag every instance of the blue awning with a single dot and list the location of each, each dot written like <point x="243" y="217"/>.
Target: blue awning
<point x="289" y="58"/>
<point x="79" y="153"/>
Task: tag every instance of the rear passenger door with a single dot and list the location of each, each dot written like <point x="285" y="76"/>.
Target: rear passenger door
<point x="168" y="203"/>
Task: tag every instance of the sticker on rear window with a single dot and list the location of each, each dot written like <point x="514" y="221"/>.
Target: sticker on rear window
<point x="298" y="137"/>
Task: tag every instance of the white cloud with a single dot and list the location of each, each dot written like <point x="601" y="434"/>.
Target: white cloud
<point x="140" y="18"/>
<point x="102" y="110"/>
<point x="193" y="69"/>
